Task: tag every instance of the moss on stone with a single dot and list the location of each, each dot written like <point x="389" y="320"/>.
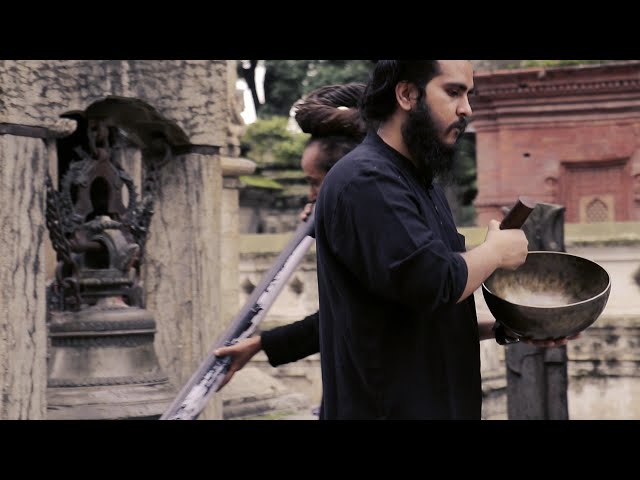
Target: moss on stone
<point x="260" y="182"/>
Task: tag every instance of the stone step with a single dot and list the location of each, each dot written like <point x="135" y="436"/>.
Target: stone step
<point x="253" y="394"/>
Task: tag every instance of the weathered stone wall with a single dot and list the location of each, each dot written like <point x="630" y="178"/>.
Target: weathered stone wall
<point x="567" y="135"/>
<point x="232" y="168"/>
<point x="23" y="338"/>
<point x="268" y="220"/>
<point x="297" y="299"/>
<point x="193" y="222"/>
<point x="183" y="254"/>
<point x="198" y="94"/>
<point x="604" y="367"/>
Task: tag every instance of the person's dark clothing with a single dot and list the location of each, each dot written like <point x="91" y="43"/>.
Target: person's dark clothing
<point x="291" y="342"/>
<point x="393" y="341"/>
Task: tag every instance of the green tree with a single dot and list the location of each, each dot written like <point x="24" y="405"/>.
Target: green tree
<point x="283" y="85"/>
<point x="329" y="72"/>
<point x="462" y="189"/>
<point x="286" y="81"/>
<point x="268" y="142"/>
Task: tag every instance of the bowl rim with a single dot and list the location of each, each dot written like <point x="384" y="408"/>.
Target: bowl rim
<point x="566" y="305"/>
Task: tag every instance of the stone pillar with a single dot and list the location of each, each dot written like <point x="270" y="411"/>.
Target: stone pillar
<point x="232" y="168"/>
<point x="23" y="336"/>
<point x="183" y="264"/>
<point x="537" y="379"/>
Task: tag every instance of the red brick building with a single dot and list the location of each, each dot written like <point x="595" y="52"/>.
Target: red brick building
<point x="569" y="136"/>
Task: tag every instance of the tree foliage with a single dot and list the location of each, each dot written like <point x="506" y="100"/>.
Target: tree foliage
<point x="283" y="85"/>
<point x="462" y="190"/>
<point x="286" y="81"/>
<point x="267" y="141"/>
<point x="329" y="72"/>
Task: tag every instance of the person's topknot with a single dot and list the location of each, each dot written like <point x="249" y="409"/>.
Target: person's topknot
<point x="332" y="110"/>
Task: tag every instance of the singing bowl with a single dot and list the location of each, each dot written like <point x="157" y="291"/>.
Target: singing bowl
<point x="551" y="295"/>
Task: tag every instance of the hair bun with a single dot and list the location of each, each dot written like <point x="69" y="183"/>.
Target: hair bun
<point x="332" y="110"/>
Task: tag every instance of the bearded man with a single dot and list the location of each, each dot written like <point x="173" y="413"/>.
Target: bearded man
<point x="399" y="334"/>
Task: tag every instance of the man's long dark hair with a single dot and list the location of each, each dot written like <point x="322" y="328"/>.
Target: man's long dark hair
<point x="433" y="158"/>
<point x="330" y="114"/>
<point x="379" y="99"/>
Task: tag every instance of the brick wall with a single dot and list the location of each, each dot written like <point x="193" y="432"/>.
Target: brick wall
<point x="569" y="136"/>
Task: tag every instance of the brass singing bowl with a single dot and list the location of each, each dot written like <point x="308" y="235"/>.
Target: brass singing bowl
<point x="551" y="295"/>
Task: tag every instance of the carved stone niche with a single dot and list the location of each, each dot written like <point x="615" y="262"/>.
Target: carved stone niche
<point x="101" y="361"/>
<point x="596" y="208"/>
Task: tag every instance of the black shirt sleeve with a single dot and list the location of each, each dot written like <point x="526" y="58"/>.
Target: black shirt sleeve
<point x="292" y="342"/>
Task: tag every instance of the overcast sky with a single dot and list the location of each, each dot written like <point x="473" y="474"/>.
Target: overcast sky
<point x="249" y="112"/>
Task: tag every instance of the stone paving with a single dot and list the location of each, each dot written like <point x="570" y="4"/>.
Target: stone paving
<point x="255" y="395"/>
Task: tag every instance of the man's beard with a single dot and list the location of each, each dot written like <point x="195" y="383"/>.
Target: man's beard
<point x="433" y="157"/>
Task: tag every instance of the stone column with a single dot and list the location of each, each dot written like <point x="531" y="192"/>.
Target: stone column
<point x="537" y="378"/>
<point x="23" y="337"/>
<point x="182" y="270"/>
<point x="232" y="168"/>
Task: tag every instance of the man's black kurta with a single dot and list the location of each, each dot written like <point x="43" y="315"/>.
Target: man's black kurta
<point x="291" y="342"/>
<point x="393" y="341"/>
